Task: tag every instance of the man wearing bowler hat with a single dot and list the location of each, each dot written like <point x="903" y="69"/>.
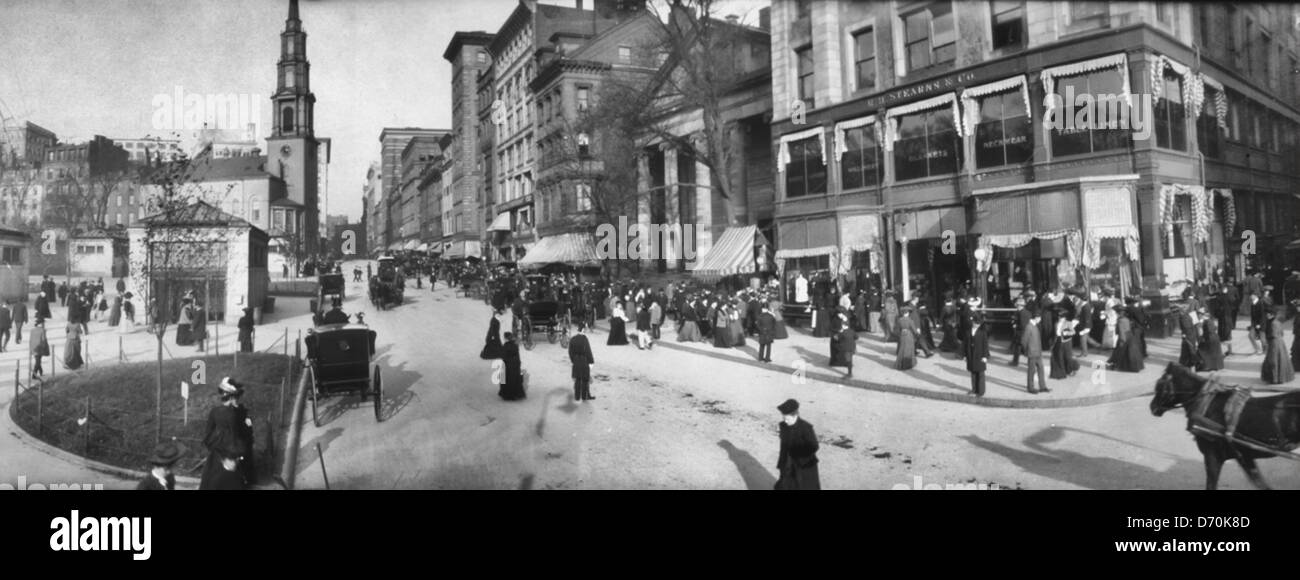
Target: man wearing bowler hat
<point x="160" y="477"/>
<point x="797" y="462"/>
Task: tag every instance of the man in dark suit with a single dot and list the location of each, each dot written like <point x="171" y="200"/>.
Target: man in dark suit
<point x="160" y="477"/>
<point x="797" y="461"/>
<point x="977" y="354"/>
<point x="1189" y="354"/>
<point x="18" y="312"/>
<point x="846" y="343"/>
<point x="582" y="359"/>
<point x="1031" y="342"/>
<point x="6" y="323"/>
<point x="1083" y="308"/>
<point x="753" y="310"/>
<point x="766" y="332"/>
<point x="1019" y="324"/>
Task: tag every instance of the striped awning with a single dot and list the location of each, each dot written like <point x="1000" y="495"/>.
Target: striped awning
<point x="410" y="245"/>
<point x="422" y="247"/>
<point x="501" y="223"/>
<point x="576" y="249"/>
<point x="733" y="253"/>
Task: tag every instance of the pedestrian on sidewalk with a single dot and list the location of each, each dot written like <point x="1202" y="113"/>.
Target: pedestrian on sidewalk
<point x="160" y="476"/>
<point x="844" y="345"/>
<point x="721" y="326"/>
<point x="977" y="354"/>
<point x="63" y="293"/>
<point x="18" y="312"/>
<point x="1189" y="351"/>
<point x="40" y="347"/>
<point x="72" y="348"/>
<point x="1018" y="325"/>
<point x="797" y="460"/>
<point x="735" y="312"/>
<point x="200" y="326"/>
<point x="1277" y="368"/>
<point x="6" y="323"/>
<point x="907" y="340"/>
<point x="889" y="317"/>
<point x="1083" y="318"/>
<point x="1295" y="337"/>
<point x="643" y="327"/>
<point x="689" y="329"/>
<point x="246" y="331"/>
<point x="1258" y="322"/>
<point x="1063" y="363"/>
<point x="1209" y="347"/>
<point x="583" y="361"/>
<point x="766" y="326"/>
<point x="1032" y="344"/>
<point x="43" y="307"/>
<point x="513" y="387"/>
<point x="656" y="320"/>
<point x="1127" y="356"/>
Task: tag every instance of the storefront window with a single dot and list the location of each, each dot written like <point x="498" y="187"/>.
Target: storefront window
<point x="1180" y="244"/>
<point x="1170" y="115"/>
<point x="860" y="165"/>
<point x="927" y="145"/>
<point x="1004" y="135"/>
<point x="806" y="172"/>
<point x="1100" y="130"/>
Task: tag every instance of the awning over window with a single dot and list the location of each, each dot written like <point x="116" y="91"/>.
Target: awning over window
<point x="462" y="249"/>
<point x="422" y="247"/>
<point x="733" y="253"/>
<point x="393" y="247"/>
<point x="410" y="245"/>
<point x="576" y="249"/>
<point x="501" y="223"/>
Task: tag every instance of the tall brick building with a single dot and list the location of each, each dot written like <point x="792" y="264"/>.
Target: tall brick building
<point x="461" y="221"/>
<point x="914" y="135"/>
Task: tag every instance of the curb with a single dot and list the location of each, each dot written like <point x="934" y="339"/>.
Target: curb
<point x="17" y="432"/>
<point x="964" y="398"/>
<point x="289" y="466"/>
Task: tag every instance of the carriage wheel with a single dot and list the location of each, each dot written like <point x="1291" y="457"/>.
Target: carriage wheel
<point x="377" y="389"/>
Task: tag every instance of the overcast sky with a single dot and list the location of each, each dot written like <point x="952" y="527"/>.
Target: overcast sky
<point x="103" y="67"/>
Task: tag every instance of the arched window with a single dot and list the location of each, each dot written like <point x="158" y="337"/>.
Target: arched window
<point x="254" y="210"/>
<point x="237" y="208"/>
<point x="286" y="120"/>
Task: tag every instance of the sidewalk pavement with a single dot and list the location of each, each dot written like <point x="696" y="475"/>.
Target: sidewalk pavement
<point x="944" y="376"/>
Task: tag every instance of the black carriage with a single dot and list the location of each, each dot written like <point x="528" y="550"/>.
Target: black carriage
<point x="544" y="316"/>
<point x="339" y="362"/>
<point x="388" y="286"/>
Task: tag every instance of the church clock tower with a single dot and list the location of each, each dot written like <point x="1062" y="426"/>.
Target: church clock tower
<point x="292" y="146"/>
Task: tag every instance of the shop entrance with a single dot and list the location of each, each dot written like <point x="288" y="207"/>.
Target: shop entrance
<point x="933" y="273"/>
<point x="1035" y="266"/>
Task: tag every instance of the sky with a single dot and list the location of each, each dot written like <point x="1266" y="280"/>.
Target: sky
<point x="111" y="67"/>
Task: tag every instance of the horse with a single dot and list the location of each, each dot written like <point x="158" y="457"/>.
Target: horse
<point x="1273" y="421"/>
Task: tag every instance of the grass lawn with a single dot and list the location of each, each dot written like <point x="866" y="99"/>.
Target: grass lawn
<point x="123" y="409"/>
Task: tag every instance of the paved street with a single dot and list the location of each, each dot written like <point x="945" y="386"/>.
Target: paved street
<point x="674" y="419"/>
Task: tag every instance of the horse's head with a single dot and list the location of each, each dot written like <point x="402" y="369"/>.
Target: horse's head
<point x="1177" y="387"/>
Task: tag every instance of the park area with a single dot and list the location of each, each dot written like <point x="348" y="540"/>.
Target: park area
<point x="110" y="414"/>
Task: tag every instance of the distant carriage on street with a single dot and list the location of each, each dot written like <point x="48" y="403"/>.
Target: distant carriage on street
<point x="389" y="285"/>
<point x="544" y="316"/>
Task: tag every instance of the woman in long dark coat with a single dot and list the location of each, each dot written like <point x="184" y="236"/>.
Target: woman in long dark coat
<point x="688" y="324"/>
<point x="779" y="331"/>
<point x="492" y="345"/>
<point x="72" y="348"/>
<point x="860" y="312"/>
<point x="797" y="461"/>
<point x="42" y="307"/>
<point x="907" y="338"/>
<point x="513" y="388"/>
<point x="1063" y="363"/>
<point x="721" y="327"/>
<point x="227" y="440"/>
<point x="736" y="327"/>
<point x="1211" y="348"/>
<point x="844" y="345"/>
<point x="617" y="326"/>
<point x="1127" y="356"/>
<point x="949" y="321"/>
<point x="1277" y="368"/>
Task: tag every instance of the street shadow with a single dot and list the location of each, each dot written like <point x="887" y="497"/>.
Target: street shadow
<point x="755" y="475"/>
<point x="308" y="449"/>
<point x="1088" y="471"/>
<point x="570" y="407"/>
<point x="526" y="482"/>
<point x="934" y="380"/>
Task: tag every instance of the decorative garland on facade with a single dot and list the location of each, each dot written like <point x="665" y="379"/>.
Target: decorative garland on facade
<point x="1073" y="241"/>
<point x="783" y="150"/>
<point x="841" y="142"/>
<point x="1202" y="213"/>
<point x="1092" y="249"/>
<point x="1229" y="210"/>
<point x="846" y="255"/>
<point x="1220" y="100"/>
<point x="1193" y="91"/>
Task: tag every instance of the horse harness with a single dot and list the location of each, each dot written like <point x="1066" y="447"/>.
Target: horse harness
<point x="1236" y="397"/>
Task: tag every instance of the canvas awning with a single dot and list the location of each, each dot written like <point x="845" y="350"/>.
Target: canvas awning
<point x="501" y="223"/>
<point x="578" y="249"/>
<point x="393" y="247"/>
<point x="410" y="245"/>
<point x="733" y="253"/>
<point x="461" y="249"/>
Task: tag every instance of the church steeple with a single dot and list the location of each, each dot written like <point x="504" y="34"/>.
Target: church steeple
<point x="293" y="100"/>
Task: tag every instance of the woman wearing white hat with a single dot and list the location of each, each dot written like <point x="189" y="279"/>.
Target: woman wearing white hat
<point x="229" y="440"/>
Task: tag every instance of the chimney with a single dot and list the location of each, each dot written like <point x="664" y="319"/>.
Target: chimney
<point x="765" y="18"/>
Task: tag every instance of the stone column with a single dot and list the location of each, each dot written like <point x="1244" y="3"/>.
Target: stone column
<point x="643" y="197"/>
<point x="671" y="191"/>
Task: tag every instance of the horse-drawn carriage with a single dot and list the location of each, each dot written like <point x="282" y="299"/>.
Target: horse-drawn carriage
<point x="339" y="362"/>
<point x="388" y="286"/>
<point x="544" y="316"/>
